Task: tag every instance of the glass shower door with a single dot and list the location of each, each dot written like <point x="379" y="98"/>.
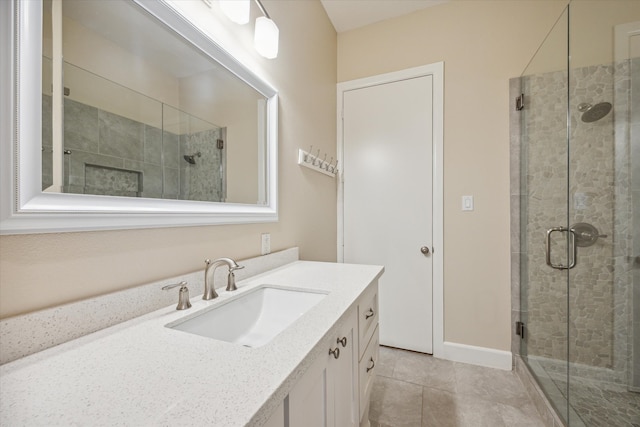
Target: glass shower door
<point x="601" y="214"/>
<point x="580" y="213"/>
<point x="545" y="239"/>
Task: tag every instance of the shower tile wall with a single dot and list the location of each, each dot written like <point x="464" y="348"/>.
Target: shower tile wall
<point x="543" y="206"/>
<point x="133" y="159"/>
<point x="592" y="295"/>
<point x="634" y="130"/>
<point x="600" y="315"/>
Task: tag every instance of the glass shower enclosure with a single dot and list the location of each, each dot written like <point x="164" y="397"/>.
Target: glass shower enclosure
<point x="579" y="120"/>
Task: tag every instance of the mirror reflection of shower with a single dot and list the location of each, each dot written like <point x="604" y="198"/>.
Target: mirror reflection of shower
<point x="593" y="113"/>
<point x="191" y="159"/>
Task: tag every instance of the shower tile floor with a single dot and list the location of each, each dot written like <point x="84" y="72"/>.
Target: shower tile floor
<point x="593" y="403"/>
<point x="417" y="390"/>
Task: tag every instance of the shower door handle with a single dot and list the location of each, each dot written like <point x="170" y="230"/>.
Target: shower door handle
<point x="572" y="246"/>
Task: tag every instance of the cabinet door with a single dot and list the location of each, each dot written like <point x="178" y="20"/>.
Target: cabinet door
<point x="343" y="378"/>
<point x="308" y="400"/>
<point x="327" y="394"/>
<point x="367" y="372"/>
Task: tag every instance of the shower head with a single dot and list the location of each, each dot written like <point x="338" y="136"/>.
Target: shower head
<point x="191" y="158"/>
<point x="592" y="113"/>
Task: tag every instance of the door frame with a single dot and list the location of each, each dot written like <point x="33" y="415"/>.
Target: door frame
<point x="436" y="71"/>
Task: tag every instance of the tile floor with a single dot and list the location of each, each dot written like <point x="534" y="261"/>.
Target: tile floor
<point x="417" y="390"/>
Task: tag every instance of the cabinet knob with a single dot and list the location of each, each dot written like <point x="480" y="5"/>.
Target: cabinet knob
<point x="425" y="250"/>
<point x="335" y="352"/>
<point x="373" y="365"/>
<point x="369" y="313"/>
<point x="342" y="341"/>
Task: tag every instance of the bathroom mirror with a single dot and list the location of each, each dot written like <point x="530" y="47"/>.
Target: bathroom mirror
<point x="125" y="115"/>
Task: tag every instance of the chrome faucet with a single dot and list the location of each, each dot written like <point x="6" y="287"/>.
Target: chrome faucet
<point x="209" y="287"/>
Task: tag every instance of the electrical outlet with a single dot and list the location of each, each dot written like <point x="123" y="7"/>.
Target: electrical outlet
<point x="266" y="243"/>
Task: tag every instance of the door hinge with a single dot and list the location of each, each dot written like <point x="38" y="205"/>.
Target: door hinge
<point x="220" y="144"/>
<point x="65" y="90"/>
<point x="520" y="329"/>
<point x="520" y="102"/>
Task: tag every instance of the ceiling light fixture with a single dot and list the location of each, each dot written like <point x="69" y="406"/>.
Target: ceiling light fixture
<point x="266" y="36"/>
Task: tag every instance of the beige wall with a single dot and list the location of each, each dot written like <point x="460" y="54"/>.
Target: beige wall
<point x="482" y="44"/>
<point x="591" y="36"/>
<point x="43" y="270"/>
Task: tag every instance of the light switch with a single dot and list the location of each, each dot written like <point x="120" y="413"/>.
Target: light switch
<point x="467" y="203"/>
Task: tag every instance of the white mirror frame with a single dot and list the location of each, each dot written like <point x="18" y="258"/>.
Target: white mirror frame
<point x="24" y="208"/>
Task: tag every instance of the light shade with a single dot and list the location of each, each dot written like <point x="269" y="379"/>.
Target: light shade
<point x="266" y="37"/>
<point x="236" y="10"/>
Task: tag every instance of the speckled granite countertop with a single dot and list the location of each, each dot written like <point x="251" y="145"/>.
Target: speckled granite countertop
<point x="141" y="373"/>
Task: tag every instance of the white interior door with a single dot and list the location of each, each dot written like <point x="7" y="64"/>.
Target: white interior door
<point x="387" y="201"/>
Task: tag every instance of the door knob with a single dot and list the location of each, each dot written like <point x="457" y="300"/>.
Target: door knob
<point x="424" y="250"/>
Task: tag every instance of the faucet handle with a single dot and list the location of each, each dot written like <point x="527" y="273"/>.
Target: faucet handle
<point x="231" y="281"/>
<point x="231" y="278"/>
<point x="183" y="295"/>
<point x="236" y="267"/>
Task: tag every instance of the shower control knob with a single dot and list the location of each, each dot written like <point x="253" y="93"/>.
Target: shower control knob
<point x="425" y="250"/>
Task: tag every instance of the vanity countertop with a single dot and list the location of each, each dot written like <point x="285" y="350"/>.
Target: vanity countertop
<point x="141" y="373"/>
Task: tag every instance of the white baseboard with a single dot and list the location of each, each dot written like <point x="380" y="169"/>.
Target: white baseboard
<point x="480" y="356"/>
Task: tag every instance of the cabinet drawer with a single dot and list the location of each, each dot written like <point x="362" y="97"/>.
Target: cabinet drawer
<point x="367" y="371"/>
<point x="367" y="317"/>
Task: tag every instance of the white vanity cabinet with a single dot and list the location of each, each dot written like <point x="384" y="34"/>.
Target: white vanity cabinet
<point x="291" y="381"/>
<point x="326" y="396"/>
<point x="335" y="390"/>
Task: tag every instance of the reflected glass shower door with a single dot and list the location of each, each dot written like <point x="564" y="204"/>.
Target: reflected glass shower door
<point x="544" y="180"/>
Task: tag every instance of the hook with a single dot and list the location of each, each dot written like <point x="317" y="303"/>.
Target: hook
<point x="313" y="160"/>
<point x="329" y="165"/>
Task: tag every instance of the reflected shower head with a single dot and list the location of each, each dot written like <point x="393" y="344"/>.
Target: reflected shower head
<point x="191" y="158"/>
<point x="592" y="113"/>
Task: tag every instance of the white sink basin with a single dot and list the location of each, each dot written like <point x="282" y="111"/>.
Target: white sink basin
<point x="252" y="319"/>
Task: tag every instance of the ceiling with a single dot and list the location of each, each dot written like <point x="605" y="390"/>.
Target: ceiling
<point x="350" y="14"/>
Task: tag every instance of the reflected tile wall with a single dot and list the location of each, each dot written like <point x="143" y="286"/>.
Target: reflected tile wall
<point x="112" y="182"/>
<point x="47" y="158"/>
<point x="81" y="127"/>
<point x="123" y="149"/>
<point x="202" y="180"/>
<point x="120" y="137"/>
<point x="152" y="145"/>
